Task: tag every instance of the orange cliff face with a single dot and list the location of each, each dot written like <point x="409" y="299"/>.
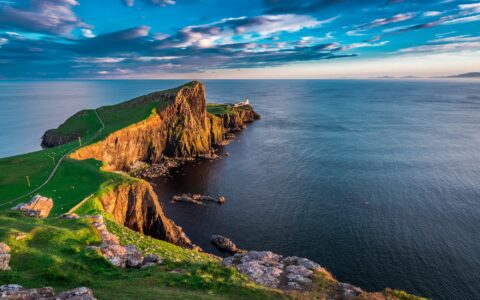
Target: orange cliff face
<point x="183" y="129"/>
<point x="136" y="206"/>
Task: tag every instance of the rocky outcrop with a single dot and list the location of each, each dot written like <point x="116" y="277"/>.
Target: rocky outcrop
<point x="118" y="255"/>
<point x="38" y="207"/>
<point x="238" y="117"/>
<point x="273" y="270"/>
<point x="182" y="129"/>
<point x="52" y="138"/>
<point x="4" y="257"/>
<point x="224" y="243"/>
<point x="15" y="291"/>
<point x="197" y="199"/>
<point x="136" y="206"/>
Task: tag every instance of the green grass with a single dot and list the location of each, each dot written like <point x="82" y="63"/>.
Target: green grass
<point x="84" y="122"/>
<point x="73" y="181"/>
<point x="219" y="109"/>
<point x="37" y="165"/>
<point x="55" y="253"/>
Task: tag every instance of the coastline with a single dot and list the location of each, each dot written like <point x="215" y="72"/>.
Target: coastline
<point x="112" y="203"/>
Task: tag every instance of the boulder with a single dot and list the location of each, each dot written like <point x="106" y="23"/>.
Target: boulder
<point x="118" y="255"/>
<point x="15" y="291"/>
<point x="224" y="243"/>
<point x="4" y="257"/>
<point x="38" y="207"/>
<point x="69" y="216"/>
<point x="81" y="293"/>
<point x="152" y="258"/>
<point x="134" y="258"/>
<point x="273" y="270"/>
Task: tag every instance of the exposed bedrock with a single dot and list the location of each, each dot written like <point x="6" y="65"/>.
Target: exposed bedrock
<point x="183" y="129"/>
<point x="136" y="206"/>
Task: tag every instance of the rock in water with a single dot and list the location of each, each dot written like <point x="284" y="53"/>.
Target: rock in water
<point x="224" y="243"/>
<point x="38" y="207"/>
<point x="4" y="257"/>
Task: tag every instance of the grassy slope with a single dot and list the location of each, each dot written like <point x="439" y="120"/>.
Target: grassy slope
<point x="55" y="253"/>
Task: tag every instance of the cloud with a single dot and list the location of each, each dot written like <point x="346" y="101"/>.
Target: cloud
<point x="431" y="13"/>
<point x="242" y="28"/>
<point x="42" y="16"/>
<point x="87" y="33"/>
<point x="442" y="48"/>
<point x="385" y="21"/>
<point x="131" y="3"/>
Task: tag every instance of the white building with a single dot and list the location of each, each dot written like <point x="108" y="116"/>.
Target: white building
<point x="242" y="103"/>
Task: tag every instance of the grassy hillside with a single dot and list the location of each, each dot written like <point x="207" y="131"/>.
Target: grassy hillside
<point x="54" y="253"/>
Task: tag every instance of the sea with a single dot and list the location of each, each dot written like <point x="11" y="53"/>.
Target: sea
<point x="376" y="180"/>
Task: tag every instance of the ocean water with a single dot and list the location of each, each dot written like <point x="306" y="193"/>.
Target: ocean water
<point x="377" y="180"/>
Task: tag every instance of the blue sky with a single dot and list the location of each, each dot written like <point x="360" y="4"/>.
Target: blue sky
<point x="237" y="39"/>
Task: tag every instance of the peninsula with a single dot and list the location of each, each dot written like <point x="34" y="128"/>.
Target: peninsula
<point x="89" y="228"/>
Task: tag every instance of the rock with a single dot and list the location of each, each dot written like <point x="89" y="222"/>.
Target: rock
<point x="69" y="216"/>
<point x="15" y="291"/>
<point x="299" y="270"/>
<point x="197" y="199"/>
<point x="38" y="207"/>
<point x="134" y="258"/>
<point x="273" y="270"/>
<point x="81" y="293"/>
<point x="348" y="291"/>
<point x="152" y="258"/>
<point x="224" y="243"/>
<point x="4" y="257"/>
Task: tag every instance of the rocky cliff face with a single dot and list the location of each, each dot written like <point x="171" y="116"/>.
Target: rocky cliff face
<point x="136" y="206"/>
<point x="239" y="117"/>
<point x="51" y="138"/>
<point x="183" y="129"/>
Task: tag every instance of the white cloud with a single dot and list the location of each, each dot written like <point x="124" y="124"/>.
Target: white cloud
<point x="442" y="48"/>
<point x="431" y="13"/>
<point x="87" y="33"/>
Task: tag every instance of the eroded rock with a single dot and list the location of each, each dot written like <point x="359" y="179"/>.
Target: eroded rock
<point x="273" y="270"/>
<point x="4" y="257"/>
<point x="38" y="207"/>
<point x="118" y="255"/>
<point x="197" y="199"/>
<point x="224" y="243"/>
<point x="15" y="291"/>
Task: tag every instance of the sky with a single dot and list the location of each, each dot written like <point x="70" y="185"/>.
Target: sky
<point x="215" y="39"/>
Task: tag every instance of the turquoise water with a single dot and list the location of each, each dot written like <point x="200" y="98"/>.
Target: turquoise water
<point x="378" y="181"/>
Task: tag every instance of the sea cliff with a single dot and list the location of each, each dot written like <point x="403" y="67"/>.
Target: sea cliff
<point x="65" y="249"/>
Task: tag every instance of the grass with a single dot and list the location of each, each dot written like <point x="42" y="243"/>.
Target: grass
<point x="73" y="181"/>
<point x="37" y="165"/>
<point x="54" y="253"/>
<point x="219" y="109"/>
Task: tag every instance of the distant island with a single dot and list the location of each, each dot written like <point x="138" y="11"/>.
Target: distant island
<point x="466" y="75"/>
<point x="75" y="215"/>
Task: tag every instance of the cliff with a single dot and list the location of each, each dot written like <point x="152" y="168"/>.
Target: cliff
<point x="136" y="206"/>
<point x="173" y="123"/>
<point x="182" y="129"/>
